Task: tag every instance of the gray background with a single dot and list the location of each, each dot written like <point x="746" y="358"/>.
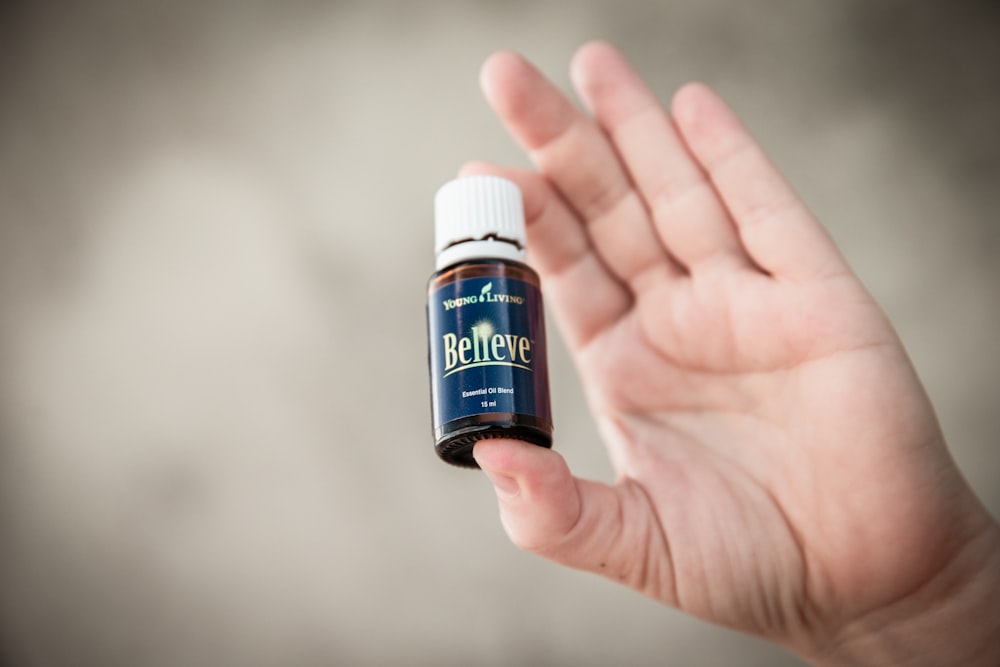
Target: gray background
<point x="215" y="232"/>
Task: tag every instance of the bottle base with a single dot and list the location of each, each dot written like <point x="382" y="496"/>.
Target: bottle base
<point x="456" y="447"/>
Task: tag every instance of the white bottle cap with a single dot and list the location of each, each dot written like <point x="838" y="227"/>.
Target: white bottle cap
<point x="478" y="216"/>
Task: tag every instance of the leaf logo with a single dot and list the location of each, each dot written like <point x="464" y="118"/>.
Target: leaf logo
<point x="486" y="288"/>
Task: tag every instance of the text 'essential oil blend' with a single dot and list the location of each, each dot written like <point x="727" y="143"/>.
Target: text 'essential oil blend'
<point x="489" y="371"/>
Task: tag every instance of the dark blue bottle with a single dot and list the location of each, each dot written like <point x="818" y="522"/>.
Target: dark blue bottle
<point x="486" y="327"/>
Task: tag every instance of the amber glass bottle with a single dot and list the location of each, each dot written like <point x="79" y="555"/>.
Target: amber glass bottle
<point x="486" y="328"/>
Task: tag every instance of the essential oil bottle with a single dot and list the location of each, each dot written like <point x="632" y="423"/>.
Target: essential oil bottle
<point x="486" y="329"/>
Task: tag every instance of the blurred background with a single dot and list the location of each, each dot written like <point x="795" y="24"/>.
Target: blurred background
<point x="215" y="235"/>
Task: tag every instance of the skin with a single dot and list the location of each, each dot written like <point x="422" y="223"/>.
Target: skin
<point x="779" y="467"/>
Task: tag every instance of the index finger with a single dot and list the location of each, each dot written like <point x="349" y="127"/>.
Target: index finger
<point x="579" y="160"/>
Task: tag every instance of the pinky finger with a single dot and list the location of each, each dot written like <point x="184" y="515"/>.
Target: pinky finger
<point x="776" y="228"/>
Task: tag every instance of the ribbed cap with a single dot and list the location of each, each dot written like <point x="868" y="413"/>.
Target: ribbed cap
<point x="480" y="208"/>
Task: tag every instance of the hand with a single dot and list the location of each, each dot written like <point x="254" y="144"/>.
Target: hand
<point x="780" y="469"/>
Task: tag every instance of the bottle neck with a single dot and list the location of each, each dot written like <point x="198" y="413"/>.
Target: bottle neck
<point x="488" y="249"/>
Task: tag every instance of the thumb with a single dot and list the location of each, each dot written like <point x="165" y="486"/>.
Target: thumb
<point x="610" y="530"/>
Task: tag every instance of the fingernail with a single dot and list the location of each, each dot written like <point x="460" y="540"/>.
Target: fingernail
<point x="505" y="485"/>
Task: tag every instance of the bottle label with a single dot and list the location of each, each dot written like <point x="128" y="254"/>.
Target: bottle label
<point x="487" y="349"/>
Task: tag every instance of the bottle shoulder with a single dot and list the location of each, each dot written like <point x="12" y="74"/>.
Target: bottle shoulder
<point x="484" y="268"/>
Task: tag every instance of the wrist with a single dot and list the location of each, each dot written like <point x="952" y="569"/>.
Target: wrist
<point x="952" y="619"/>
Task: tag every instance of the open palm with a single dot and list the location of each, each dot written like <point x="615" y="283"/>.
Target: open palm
<point x="780" y="468"/>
